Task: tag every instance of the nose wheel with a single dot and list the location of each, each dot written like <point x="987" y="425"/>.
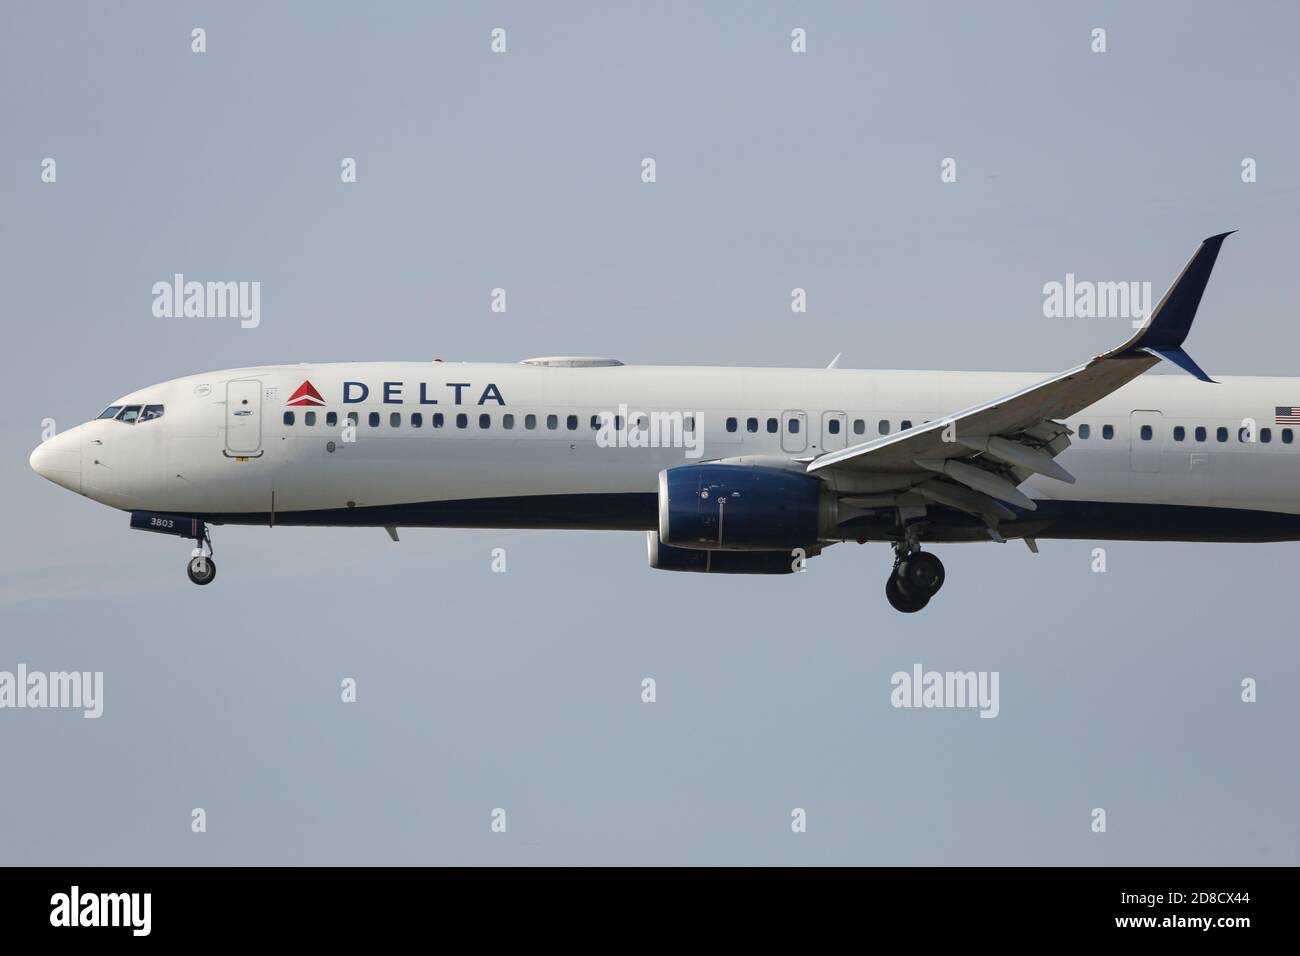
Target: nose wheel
<point x="201" y="568"/>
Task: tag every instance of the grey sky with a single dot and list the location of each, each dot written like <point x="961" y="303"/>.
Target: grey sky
<point x="522" y="690"/>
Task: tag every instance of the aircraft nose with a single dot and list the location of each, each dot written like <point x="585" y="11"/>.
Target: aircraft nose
<point x="58" y="459"/>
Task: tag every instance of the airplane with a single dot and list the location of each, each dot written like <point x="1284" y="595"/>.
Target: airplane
<point x="726" y="470"/>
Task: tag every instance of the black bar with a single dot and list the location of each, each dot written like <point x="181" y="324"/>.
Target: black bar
<point x="977" y="906"/>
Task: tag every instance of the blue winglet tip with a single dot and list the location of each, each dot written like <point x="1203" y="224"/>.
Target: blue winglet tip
<point x="1183" y="361"/>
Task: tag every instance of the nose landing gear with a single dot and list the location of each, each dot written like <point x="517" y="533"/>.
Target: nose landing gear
<point x="916" y="577"/>
<point x="201" y="568"/>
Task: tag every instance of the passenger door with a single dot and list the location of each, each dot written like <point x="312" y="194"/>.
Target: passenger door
<point x="244" y="418"/>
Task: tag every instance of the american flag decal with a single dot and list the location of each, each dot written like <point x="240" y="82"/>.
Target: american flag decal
<point x="1286" y="415"/>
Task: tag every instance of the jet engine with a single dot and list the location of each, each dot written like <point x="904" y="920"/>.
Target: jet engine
<point x="665" y="557"/>
<point x="742" y="508"/>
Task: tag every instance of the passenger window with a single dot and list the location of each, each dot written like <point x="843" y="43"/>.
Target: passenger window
<point x="110" y="412"/>
<point x="792" y="426"/>
<point x="530" y="421"/>
<point x="1085" y="431"/>
<point x="1108" y="432"/>
<point x="772" y="426"/>
<point x="1145" y="432"/>
<point x="462" y="420"/>
<point x="485" y="420"/>
<point x="904" y="425"/>
<point x="417" y="420"/>
<point x="859" y="426"/>
<point x="352" y="418"/>
<point x="437" y="420"/>
<point x="374" y="419"/>
<point x="288" y="418"/>
<point x="1266" y="435"/>
<point x="1200" y="433"/>
<point x="507" y="422"/>
<point x="151" y="412"/>
<point x="688" y="424"/>
<point x="129" y="414"/>
<point x="882" y="426"/>
<point x="751" y="424"/>
<point x="1221" y="433"/>
<point x="1286" y="436"/>
<point x="833" y="426"/>
<point x="1243" y="434"/>
<point x="331" y="419"/>
<point x="571" y="423"/>
<point x="552" y="422"/>
<point x="595" y="423"/>
<point x="1179" y="433"/>
<point x="309" y="418"/>
<point x="618" y="423"/>
<point x="731" y="424"/>
<point x="394" y="419"/>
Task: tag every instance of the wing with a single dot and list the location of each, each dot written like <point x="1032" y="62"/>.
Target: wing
<point x="984" y="451"/>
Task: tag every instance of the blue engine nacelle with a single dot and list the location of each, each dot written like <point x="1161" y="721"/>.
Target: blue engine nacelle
<point x="739" y="507"/>
<point x="664" y="557"/>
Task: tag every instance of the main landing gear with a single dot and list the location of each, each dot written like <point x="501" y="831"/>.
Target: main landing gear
<point x="916" y="577"/>
<point x="202" y="569"/>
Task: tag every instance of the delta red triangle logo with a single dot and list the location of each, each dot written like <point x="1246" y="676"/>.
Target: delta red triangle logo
<point x="306" y="394"/>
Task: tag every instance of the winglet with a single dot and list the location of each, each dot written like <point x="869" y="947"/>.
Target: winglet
<point x="1165" y="330"/>
<point x="1183" y="361"/>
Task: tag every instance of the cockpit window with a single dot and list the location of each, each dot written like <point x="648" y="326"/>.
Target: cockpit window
<point x="110" y="412"/>
<point x="129" y="414"/>
<point x="151" y="412"/>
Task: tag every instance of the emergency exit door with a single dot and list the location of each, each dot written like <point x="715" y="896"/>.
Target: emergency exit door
<point x="794" y="430"/>
<point x="1146" y="440"/>
<point x="835" y="431"/>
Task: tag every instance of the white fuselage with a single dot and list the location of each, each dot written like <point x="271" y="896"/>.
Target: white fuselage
<point x="223" y="448"/>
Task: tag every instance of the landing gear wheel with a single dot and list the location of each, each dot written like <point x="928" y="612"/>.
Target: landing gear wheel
<point x="920" y="574"/>
<point x="903" y="601"/>
<point x="201" y="570"/>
